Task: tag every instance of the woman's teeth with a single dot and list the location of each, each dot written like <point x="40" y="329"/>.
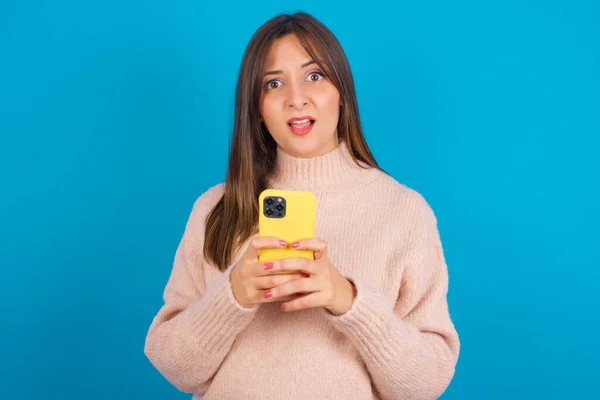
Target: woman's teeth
<point x="301" y="122"/>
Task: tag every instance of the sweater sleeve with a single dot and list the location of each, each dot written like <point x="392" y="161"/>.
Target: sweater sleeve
<point x="195" y="328"/>
<point x="410" y="346"/>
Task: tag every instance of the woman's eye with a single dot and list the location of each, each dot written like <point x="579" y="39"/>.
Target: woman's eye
<point x="315" y="76"/>
<point x="274" y="84"/>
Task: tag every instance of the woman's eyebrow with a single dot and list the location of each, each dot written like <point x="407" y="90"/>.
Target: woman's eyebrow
<point x="304" y="65"/>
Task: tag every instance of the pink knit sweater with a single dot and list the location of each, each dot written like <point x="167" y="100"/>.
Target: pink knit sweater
<point x="397" y="341"/>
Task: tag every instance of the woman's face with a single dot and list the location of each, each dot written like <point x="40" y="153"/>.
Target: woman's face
<point x="296" y="89"/>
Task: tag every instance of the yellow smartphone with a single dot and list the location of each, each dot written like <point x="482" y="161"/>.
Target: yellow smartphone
<point x="289" y="215"/>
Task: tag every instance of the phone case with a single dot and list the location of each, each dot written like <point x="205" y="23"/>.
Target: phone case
<point x="298" y="222"/>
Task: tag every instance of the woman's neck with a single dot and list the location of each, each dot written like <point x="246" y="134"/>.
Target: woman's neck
<point x="333" y="170"/>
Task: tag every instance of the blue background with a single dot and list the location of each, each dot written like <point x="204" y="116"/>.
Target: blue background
<point x="115" y="116"/>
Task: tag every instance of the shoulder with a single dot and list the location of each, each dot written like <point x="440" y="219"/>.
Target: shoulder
<point x="209" y="198"/>
<point x="402" y="201"/>
<point x="204" y="203"/>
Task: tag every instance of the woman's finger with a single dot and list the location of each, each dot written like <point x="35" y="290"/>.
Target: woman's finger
<point x="318" y="246"/>
<point x="294" y="286"/>
<point x="265" y="242"/>
<point x="295" y="264"/>
<point x="271" y="281"/>
<point x="283" y="299"/>
<point x="311" y="300"/>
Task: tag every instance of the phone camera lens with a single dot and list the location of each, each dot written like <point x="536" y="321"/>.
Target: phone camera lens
<point x="269" y="212"/>
<point x="279" y="207"/>
<point x="269" y="201"/>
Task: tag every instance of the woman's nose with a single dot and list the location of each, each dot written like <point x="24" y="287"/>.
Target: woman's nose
<point x="297" y="96"/>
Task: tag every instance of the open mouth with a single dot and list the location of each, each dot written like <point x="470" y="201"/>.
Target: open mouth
<point x="302" y="125"/>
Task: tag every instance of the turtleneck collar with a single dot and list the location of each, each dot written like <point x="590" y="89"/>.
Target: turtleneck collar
<point x="332" y="171"/>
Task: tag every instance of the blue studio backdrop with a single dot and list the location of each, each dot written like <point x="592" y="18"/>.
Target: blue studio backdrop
<point x="115" y="116"/>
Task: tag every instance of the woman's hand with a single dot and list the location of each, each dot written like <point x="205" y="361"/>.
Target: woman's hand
<point x="325" y="287"/>
<point x="250" y="280"/>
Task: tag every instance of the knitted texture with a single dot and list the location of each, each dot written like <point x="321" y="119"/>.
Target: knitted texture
<point x="397" y="341"/>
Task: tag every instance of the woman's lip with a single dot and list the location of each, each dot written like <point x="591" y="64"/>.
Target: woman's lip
<point x="300" y="119"/>
<point x="301" y="131"/>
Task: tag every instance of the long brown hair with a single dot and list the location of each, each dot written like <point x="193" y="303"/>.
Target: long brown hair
<point x="253" y="151"/>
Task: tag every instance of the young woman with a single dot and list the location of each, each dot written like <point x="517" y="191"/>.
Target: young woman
<point x="368" y="318"/>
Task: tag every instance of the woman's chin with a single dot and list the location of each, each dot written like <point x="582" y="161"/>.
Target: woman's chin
<point x="307" y="147"/>
<point x="300" y="150"/>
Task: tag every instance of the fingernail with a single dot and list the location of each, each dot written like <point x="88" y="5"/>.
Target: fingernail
<point x="304" y="276"/>
<point x="268" y="265"/>
<point x="283" y="243"/>
<point x="268" y="294"/>
<point x="295" y="245"/>
<point x="282" y="307"/>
